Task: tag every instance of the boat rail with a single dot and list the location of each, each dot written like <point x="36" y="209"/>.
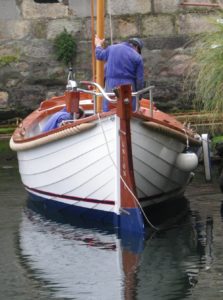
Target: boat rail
<point x="100" y="92"/>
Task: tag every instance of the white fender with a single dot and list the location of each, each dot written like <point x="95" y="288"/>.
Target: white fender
<point x="187" y="161"/>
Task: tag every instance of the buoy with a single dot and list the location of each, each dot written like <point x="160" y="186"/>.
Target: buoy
<point x="187" y="161"/>
<point x="206" y="156"/>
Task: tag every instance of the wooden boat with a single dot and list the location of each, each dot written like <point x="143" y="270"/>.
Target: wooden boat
<point x="105" y="167"/>
<point x="108" y="166"/>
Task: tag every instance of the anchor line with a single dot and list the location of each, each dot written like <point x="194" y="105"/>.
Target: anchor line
<point x="122" y="179"/>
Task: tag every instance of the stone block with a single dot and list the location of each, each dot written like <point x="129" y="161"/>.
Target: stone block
<point x="55" y="27"/>
<point x="14" y="29"/>
<point x="81" y="8"/>
<point x="9" y="10"/>
<point x="3" y="99"/>
<point x="11" y="83"/>
<point x="85" y="30"/>
<point x="38" y="29"/>
<point x="125" y="27"/>
<point x="178" y="64"/>
<point x="165" y="42"/>
<point x="9" y="49"/>
<point x="22" y="67"/>
<point x="32" y="10"/>
<point x="38" y="49"/>
<point x="167" y="6"/>
<point x="195" y="23"/>
<point x="159" y="25"/>
<point x="117" y="7"/>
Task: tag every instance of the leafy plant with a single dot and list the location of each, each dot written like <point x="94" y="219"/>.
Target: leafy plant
<point x="65" y="47"/>
<point x="217" y="139"/>
<point x="205" y="77"/>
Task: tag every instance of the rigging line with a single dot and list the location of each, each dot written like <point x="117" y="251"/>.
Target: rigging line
<point x="110" y="21"/>
<point x="137" y="201"/>
<point x="187" y="142"/>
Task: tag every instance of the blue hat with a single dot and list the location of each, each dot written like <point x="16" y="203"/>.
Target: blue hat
<point x="136" y="42"/>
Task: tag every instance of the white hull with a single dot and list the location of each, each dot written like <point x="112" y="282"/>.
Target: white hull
<point x="85" y="166"/>
<point x="77" y="166"/>
<point x="154" y="159"/>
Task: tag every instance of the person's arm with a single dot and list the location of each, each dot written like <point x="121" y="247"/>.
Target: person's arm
<point x="100" y="52"/>
<point x="98" y="42"/>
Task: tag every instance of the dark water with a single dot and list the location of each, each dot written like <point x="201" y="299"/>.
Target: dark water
<point x="42" y="259"/>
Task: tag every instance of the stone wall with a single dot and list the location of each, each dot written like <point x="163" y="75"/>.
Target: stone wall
<point x="28" y="27"/>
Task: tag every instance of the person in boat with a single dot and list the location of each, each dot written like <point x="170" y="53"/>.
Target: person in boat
<point x="61" y="118"/>
<point x="124" y="65"/>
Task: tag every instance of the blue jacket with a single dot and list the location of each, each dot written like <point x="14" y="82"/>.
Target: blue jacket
<point x="124" y="65"/>
<point x="56" y="119"/>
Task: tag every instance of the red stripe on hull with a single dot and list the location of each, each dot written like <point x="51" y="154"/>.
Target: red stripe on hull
<point x="66" y="197"/>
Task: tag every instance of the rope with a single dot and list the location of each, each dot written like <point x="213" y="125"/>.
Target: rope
<point x="122" y="179"/>
<point x="54" y="136"/>
<point x="187" y="139"/>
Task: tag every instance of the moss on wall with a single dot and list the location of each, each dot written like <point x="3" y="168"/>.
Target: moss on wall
<point x="7" y="59"/>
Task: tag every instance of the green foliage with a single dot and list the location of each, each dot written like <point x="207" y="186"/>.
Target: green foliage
<point x="206" y="73"/>
<point x="65" y="47"/>
<point x="217" y="139"/>
<point x="7" y="153"/>
<point x="7" y="59"/>
<point x="4" y="146"/>
<point x="7" y="130"/>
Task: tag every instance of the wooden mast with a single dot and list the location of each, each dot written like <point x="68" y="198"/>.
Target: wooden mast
<point x="100" y="34"/>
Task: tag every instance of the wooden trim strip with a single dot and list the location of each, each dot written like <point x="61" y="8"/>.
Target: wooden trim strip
<point x="51" y="137"/>
<point x="172" y="133"/>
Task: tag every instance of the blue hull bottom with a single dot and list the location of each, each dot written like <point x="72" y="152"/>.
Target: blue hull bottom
<point x="129" y="221"/>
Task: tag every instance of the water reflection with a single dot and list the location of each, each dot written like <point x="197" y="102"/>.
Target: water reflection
<point x="204" y="236"/>
<point x="82" y="263"/>
<point x="75" y="262"/>
<point x="222" y="210"/>
<point x="57" y="261"/>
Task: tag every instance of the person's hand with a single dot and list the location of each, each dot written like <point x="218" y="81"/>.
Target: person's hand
<point x="98" y="42"/>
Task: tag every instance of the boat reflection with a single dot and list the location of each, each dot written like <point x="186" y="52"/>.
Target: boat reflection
<point x="78" y="263"/>
<point x="82" y="263"/>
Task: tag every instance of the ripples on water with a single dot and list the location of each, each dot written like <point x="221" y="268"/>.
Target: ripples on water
<point x="43" y="259"/>
<point x="89" y="264"/>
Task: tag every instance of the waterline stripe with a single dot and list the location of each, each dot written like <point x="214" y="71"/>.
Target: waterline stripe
<point x="107" y="202"/>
